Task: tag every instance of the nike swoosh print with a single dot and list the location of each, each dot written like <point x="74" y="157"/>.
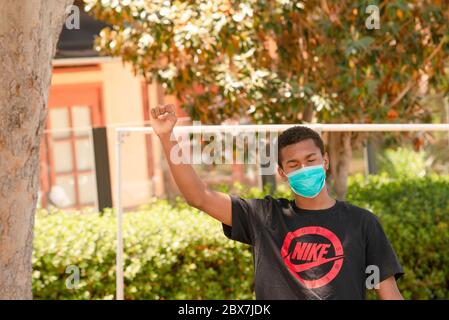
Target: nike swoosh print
<point x="313" y="264"/>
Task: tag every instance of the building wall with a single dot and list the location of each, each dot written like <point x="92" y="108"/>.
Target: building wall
<point x="122" y="105"/>
<point x="123" y="96"/>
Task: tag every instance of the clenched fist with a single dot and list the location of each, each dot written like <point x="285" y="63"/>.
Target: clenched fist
<point x="163" y="119"/>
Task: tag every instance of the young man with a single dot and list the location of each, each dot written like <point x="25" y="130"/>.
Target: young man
<point x="312" y="247"/>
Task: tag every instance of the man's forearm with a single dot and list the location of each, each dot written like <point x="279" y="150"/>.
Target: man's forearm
<point x="188" y="182"/>
<point x="389" y="290"/>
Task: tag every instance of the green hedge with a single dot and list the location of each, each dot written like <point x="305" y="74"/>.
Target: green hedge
<point x="171" y="252"/>
<point x="175" y="252"/>
<point x="415" y="216"/>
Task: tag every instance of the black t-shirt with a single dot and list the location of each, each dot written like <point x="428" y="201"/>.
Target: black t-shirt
<point x="311" y="254"/>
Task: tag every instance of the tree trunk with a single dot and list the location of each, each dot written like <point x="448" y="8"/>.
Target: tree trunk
<point x="307" y="114"/>
<point x="371" y="150"/>
<point x="29" y="30"/>
<point x="340" y="153"/>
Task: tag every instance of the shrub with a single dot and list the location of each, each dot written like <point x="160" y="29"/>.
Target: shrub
<point x="404" y="162"/>
<point x="415" y="216"/>
<point x="170" y="253"/>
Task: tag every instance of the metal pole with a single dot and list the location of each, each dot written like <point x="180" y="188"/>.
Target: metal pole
<point x="318" y="127"/>
<point x="446" y="103"/>
<point x="119" y="255"/>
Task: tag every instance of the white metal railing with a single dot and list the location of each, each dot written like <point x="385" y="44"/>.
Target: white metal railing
<point x="281" y="127"/>
<point x="122" y="131"/>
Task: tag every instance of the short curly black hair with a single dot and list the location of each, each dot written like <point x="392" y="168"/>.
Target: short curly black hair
<point x="297" y="134"/>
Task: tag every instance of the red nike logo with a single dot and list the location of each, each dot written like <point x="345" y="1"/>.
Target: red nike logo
<point x="313" y="247"/>
<point x="313" y="264"/>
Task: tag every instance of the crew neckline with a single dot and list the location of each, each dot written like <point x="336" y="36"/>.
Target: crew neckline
<point x="313" y="212"/>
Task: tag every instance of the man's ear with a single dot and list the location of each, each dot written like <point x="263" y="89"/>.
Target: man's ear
<point x="326" y="161"/>
<point x="282" y="174"/>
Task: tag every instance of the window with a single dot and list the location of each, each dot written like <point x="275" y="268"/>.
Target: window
<point x="67" y="152"/>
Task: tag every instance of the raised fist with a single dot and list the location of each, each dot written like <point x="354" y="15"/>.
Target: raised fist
<point x="163" y="119"/>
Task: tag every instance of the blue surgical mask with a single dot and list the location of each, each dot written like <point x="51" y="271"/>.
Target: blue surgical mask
<point x="308" y="181"/>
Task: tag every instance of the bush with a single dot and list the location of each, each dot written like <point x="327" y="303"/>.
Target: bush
<point x="415" y="216"/>
<point x="404" y="162"/>
<point x="175" y="252"/>
<point x="171" y="252"/>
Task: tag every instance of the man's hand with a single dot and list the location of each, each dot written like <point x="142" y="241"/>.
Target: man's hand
<point x="163" y="119"/>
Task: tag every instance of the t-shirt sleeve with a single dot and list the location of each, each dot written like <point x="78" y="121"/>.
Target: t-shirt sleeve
<point x="380" y="253"/>
<point x="248" y="216"/>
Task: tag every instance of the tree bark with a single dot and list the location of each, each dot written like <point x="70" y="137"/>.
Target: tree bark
<point x="307" y="115"/>
<point x="29" y="30"/>
<point x="340" y="153"/>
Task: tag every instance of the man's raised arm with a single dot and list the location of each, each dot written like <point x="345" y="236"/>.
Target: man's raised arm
<point x="216" y="204"/>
